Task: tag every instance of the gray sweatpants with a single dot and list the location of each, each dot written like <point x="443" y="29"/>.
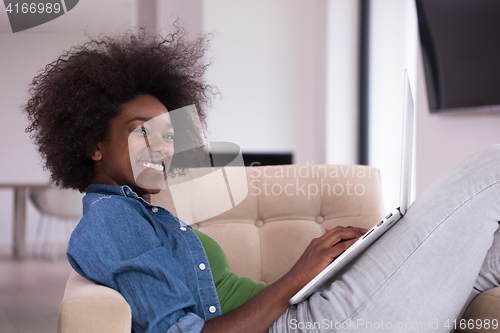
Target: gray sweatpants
<point x="424" y="271"/>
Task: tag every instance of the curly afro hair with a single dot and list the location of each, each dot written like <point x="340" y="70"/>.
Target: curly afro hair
<point x="74" y="98"/>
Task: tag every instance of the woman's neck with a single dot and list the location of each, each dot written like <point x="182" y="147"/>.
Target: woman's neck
<point x="146" y="197"/>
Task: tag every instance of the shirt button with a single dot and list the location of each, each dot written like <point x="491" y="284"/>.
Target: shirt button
<point x="202" y="266"/>
<point x="183" y="229"/>
<point x="154" y="209"/>
<point x="212" y="309"/>
<point x="127" y="193"/>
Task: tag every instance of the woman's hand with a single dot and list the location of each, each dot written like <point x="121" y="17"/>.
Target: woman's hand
<point x="265" y="308"/>
<point x="322" y="251"/>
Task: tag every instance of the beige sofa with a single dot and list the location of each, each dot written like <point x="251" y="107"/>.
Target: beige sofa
<point x="263" y="236"/>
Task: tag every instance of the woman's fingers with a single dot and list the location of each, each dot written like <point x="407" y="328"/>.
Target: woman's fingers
<point x="340" y="234"/>
<point x="339" y="248"/>
<point x="322" y="250"/>
<point x="363" y="230"/>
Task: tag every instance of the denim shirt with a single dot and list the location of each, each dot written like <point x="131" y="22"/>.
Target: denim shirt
<point x="149" y="256"/>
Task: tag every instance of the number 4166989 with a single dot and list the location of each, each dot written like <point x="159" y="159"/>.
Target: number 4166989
<point x="32" y="8"/>
<point x="472" y="324"/>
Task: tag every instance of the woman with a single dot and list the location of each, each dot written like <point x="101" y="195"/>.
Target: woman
<point x="101" y="117"/>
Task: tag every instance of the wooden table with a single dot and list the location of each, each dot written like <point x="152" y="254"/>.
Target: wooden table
<point x="19" y="216"/>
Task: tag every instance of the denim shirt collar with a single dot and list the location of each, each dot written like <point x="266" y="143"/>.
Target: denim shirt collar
<point x="123" y="190"/>
<point x="104" y="190"/>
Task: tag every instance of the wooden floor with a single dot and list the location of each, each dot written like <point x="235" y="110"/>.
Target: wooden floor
<point x="30" y="293"/>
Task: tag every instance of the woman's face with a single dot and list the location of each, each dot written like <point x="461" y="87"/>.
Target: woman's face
<point x="139" y="147"/>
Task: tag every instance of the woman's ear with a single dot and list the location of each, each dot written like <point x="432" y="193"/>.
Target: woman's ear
<point x="97" y="155"/>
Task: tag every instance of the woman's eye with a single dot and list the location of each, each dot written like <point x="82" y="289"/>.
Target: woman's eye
<point x="168" y="137"/>
<point x="140" y="131"/>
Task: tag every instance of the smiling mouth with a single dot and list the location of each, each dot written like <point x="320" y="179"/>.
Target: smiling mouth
<point x="155" y="166"/>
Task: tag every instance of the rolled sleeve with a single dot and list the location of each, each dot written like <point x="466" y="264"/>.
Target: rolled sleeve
<point x="190" y="323"/>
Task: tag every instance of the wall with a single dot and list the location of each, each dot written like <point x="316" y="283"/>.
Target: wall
<point x="342" y="84"/>
<point x="393" y="48"/>
<point x="443" y="140"/>
<point x="286" y="72"/>
<point x="268" y="60"/>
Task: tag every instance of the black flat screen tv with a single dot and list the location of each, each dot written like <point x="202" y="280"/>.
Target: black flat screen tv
<point x="460" y="42"/>
<point x="256" y="159"/>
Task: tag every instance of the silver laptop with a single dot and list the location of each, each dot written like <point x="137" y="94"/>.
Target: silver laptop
<point x="381" y="227"/>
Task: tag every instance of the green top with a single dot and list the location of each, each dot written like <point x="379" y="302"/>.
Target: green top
<point x="232" y="290"/>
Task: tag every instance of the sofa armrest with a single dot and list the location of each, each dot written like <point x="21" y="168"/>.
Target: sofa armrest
<point x="486" y="306"/>
<point x="87" y="307"/>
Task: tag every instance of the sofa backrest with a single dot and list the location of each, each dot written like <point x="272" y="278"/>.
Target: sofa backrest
<point x="286" y="207"/>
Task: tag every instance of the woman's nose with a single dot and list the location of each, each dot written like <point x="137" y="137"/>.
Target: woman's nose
<point x="160" y="145"/>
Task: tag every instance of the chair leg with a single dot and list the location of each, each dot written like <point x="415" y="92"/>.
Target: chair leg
<point x="46" y="244"/>
<point x="69" y="225"/>
<point x="37" y="244"/>
<point x="56" y="245"/>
